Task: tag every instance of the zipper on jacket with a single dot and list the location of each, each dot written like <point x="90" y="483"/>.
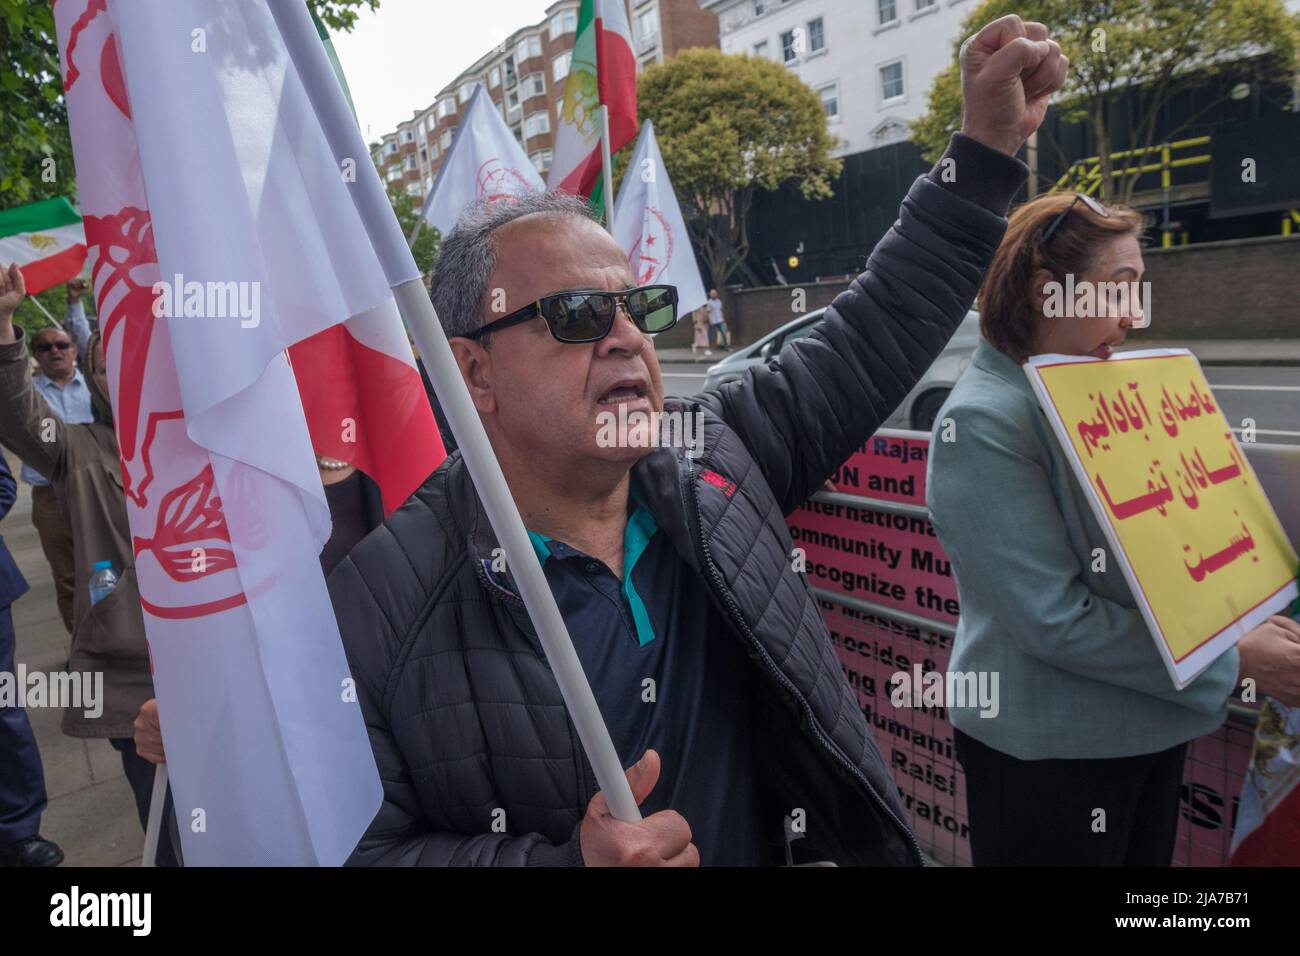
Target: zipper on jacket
<point x="738" y="620"/>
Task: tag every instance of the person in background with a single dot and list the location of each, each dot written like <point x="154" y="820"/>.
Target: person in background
<point x="83" y="465"/>
<point x="717" y="324"/>
<point x="64" y="389"/>
<point x="22" y="779"/>
<point x="1088" y="717"/>
<point x="700" y="322"/>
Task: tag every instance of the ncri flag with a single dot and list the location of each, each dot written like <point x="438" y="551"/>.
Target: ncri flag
<point x="248" y="326"/>
<point x="648" y="225"/>
<point x="484" y="162"/>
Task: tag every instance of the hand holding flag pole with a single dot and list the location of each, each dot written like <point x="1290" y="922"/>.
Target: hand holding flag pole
<point x="304" y="47"/>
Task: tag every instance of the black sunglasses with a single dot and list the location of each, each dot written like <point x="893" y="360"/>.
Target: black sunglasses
<point x="44" y="347"/>
<point x="587" y="315"/>
<point x="1088" y="201"/>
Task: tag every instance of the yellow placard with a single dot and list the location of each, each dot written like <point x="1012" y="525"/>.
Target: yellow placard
<point x="1196" y="537"/>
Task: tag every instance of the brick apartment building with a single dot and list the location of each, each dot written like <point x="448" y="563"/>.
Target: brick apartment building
<point x="525" y="77"/>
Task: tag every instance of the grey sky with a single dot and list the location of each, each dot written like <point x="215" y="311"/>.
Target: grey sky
<point x="398" y="58"/>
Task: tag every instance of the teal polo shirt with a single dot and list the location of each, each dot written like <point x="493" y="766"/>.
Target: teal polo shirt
<point x="668" y="674"/>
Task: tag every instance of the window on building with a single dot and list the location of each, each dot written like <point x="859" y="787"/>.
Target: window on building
<point x="788" y="47"/>
<point x="434" y="152"/>
<point x="759" y="7"/>
<point x="408" y="136"/>
<point x="424" y="155"/>
<point x="535" y="124"/>
<point x="924" y="5"/>
<point x="760" y="49"/>
<point x="390" y="147"/>
<point x="528" y="47"/>
<point x="465" y="92"/>
<point x="891" y="81"/>
<point x="646" y="27"/>
<point x="541" y="160"/>
<point x="509" y="67"/>
<point x="888" y="11"/>
<point x="560" y="66"/>
<point x="830" y="97"/>
<point x="494" y="77"/>
<point x="410" y="162"/>
<point x="445" y="140"/>
<point x="415" y="189"/>
<point x="534" y="85"/>
<point x="566" y="21"/>
<point x="446" y="108"/>
<point x="816" y="35"/>
<point x="394" y="174"/>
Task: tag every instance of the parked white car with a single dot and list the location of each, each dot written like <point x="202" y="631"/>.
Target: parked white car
<point x="921" y="405"/>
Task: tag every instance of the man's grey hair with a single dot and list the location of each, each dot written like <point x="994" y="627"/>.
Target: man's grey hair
<point x="468" y="256"/>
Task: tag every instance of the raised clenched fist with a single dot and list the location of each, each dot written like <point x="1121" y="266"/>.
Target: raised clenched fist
<point x="1009" y="70"/>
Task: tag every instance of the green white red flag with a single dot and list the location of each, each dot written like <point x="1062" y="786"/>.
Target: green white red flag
<point x="46" y="240"/>
<point x="602" y="73"/>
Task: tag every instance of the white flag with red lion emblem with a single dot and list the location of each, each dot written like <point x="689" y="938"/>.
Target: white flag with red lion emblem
<point x="484" y="161"/>
<point x="648" y="225"/>
<point x="248" y="326"/>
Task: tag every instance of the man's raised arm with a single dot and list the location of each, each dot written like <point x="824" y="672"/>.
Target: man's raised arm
<point x="804" y="414"/>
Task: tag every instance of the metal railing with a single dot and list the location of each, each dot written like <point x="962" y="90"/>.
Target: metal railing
<point x="1086" y="175"/>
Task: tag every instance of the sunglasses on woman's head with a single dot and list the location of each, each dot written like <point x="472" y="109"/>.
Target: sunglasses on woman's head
<point x="1088" y="201"/>
<point x="587" y="315"/>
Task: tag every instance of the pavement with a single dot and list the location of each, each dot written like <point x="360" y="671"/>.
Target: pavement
<point x="1209" y="351"/>
<point x="91" y="812"/>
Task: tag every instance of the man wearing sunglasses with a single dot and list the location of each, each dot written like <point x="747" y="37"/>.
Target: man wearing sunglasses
<point x="703" y="646"/>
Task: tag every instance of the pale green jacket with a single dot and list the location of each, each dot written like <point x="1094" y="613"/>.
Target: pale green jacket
<point x="1079" y="675"/>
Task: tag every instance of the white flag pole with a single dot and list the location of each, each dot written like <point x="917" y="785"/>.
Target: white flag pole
<point x="606" y="168"/>
<point x="156" y="802"/>
<point x="44" y="311"/>
<point x="394" y="254"/>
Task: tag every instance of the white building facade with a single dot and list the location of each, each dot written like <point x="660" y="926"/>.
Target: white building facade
<point x="871" y="61"/>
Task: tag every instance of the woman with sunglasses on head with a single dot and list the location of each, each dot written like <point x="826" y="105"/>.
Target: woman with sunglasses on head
<point x="1083" y="761"/>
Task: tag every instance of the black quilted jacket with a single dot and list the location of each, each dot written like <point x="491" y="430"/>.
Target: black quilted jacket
<point x="464" y="715"/>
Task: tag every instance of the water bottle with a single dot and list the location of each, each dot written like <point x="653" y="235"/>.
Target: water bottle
<point x="102" y="581"/>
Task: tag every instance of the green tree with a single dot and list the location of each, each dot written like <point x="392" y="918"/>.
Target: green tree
<point x="407" y="208"/>
<point x="1162" y="47"/>
<point x="35" y="149"/>
<point x="729" y="125"/>
<point x="31" y="97"/>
